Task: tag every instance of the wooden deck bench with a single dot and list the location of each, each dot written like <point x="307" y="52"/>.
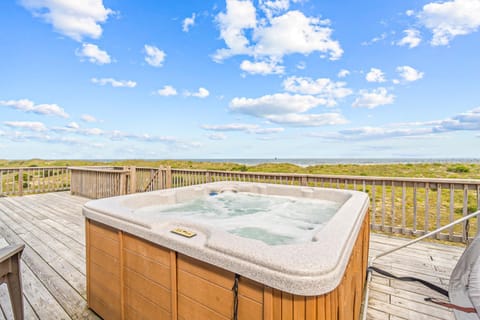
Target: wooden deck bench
<point x="10" y="274"/>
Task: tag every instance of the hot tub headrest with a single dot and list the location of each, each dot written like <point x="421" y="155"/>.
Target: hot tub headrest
<point x="228" y="189"/>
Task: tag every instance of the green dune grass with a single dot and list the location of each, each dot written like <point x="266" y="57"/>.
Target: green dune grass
<point x="426" y="170"/>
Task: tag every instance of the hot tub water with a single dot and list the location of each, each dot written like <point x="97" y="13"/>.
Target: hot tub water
<point x="271" y="219"/>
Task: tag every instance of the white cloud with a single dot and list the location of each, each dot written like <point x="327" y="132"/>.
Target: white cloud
<point x="323" y="88"/>
<point x="449" y="19"/>
<point x="367" y="133"/>
<point x="201" y="93"/>
<point x="154" y="56"/>
<point x="383" y="36"/>
<point x="409" y="13"/>
<point x="93" y="131"/>
<point x="375" y="75"/>
<point x="275" y="36"/>
<point x="343" y="73"/>
<point x="94" y="54"/>
<point x="73" y="133"/>
<point x="43" y="136"/>
<point x="262" y="67"/>
<point x="188" y="22"/>
<point x="308" y="120"/>
<point x="29" y="106"/>
<point x="279" y="103"/>
<point x="174" y="142"/>
<point x="230" y="127"/>
<point x="73" y="125"/>
<point x="75" y="128"/>
<point x="372" y="99"/>
<point x="239" y="15"/>
<point x="114" y="83"/>
<point x="467" y="121"/>
<point x="412" y="38"/>
<point x="75" y="19"/>
<point x="27" y="125"/>
<point x="167" y="91"/>
<point x="88" y="118"/>
<point x="49" y="109"/>
<point x="274" y="7"/>
<point x="409" y="74"/>
<point x="301" y="65"/>
<point x="293" y="32"/>
<point x="267" y="130"/>
<point x="216" y="136"/>
<point x="243" y="127"/>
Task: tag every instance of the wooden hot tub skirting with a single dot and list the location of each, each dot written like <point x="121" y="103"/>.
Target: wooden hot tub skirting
<point x="131" y="278"/>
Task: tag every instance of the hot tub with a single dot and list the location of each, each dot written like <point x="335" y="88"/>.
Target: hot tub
<point x="177" y="253"/>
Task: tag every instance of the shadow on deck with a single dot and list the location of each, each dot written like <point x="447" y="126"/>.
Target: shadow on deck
<point x="53" y="270"/>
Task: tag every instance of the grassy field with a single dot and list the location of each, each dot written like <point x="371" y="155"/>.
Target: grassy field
<point x="428" y="170"/>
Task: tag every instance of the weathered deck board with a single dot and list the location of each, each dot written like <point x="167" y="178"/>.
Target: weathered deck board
<point x="393" y="299"/>
<point x="53" y="269"/>
<point x="54" y="282"/>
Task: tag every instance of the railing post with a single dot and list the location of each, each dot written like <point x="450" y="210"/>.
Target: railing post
<point x="168" y="176"/>
<point x="123" y="182"/>
<point x="133" y="179"/>
<point x="73" y="181"/>
<point x="303" y="181"/>
<point x="466" y="225"/>
<point x="20" y="182"/>
<point x="478" y="208"/>
<point x="161" y="178"/>
<point x="208" y="177"/>
<point x="426" y="222"/>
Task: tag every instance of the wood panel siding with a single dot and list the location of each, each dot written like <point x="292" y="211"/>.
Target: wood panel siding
<point x="103" y="271"/>
<point x="192" y="289"/>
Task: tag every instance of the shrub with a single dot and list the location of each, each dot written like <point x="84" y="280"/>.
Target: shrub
<point x="458" y="169"/>
<point x="242" y="168"/>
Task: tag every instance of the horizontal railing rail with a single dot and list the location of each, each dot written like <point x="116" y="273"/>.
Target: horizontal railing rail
<point x="31" y="180"/>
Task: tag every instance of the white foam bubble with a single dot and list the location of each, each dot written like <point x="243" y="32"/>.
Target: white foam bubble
<point x="271" y="219"/>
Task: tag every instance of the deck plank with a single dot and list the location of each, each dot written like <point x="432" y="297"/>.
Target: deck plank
<point x="56" y="282"/>
<point x="69" y="266"/>
<point x="52" y="227"/>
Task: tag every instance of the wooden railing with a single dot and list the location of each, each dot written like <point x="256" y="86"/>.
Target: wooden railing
<point x="102" y="182"/>
<point x="150" y="179"/>
<point x="95" y="183"/>
<point x="409" y="206"/>
<point x="20" y="181"/>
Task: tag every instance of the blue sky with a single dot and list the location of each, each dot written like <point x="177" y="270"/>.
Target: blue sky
<point x="239" y="79"/>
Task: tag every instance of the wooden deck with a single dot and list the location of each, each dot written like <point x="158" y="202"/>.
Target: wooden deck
<point x="53" y="270"/>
